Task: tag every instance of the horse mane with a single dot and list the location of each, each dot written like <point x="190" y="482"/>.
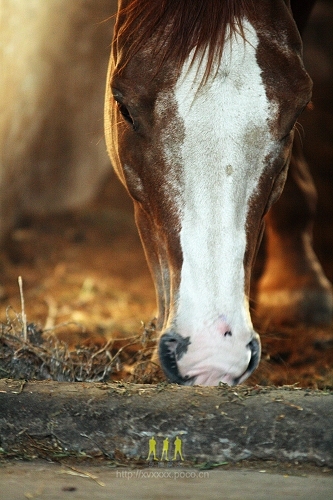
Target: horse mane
<point x="179" y="26"/>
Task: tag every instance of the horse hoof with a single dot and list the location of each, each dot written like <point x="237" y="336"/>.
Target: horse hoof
<point x="285" y="306"/>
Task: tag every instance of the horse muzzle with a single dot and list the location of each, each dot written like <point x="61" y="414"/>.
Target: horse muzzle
<point x="173" y="346"/>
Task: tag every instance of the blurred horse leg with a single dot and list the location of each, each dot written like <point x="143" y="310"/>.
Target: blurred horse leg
<point x="293" y="287"/>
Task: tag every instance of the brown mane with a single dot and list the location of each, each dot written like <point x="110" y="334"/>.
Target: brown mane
<point x="182" y="25"/>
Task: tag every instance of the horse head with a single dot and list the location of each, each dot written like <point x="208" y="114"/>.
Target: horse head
<point x="201" y="105"/>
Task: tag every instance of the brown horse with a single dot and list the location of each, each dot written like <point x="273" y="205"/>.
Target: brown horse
<point x="201" y="105"/>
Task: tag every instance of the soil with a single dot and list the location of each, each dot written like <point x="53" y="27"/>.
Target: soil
<point x="86" y="281"/>
<point x="44" y="480"/>
<point x="116" y="422"/>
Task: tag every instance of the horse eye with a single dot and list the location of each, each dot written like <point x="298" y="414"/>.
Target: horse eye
<point x="126" y="114"/>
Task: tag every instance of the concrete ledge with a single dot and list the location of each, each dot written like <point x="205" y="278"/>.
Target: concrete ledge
<point x="215" y="424"/>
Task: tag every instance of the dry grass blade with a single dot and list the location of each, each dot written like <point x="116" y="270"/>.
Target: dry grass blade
<point x="23" y="315"/>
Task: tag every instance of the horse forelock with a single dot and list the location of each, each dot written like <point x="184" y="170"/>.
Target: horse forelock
<point x="178" y="27"/>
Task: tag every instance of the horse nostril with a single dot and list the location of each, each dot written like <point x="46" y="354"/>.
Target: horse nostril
<point x="255" y="348"/>
<point x="172" y="347"/>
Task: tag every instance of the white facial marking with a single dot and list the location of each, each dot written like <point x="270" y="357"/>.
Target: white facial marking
<point x="227" y="139"/>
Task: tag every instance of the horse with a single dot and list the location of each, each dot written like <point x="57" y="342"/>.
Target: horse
<point x="202" y="101"/>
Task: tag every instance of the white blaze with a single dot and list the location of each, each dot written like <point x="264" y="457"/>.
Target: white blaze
<point x="227" y="138"/>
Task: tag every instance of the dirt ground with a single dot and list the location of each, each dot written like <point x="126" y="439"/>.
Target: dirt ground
<point x="86" y="281"/>
<point x="52" y="481"/>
